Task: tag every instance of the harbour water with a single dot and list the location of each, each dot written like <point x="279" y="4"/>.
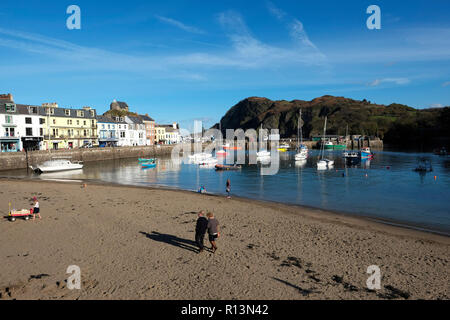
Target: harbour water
<point x="385" y="188"/>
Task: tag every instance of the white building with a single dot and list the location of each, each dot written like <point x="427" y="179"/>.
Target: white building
<point x="123" y="132"/>
<point x="136" y="130"/>
<point x="172" y="134"/>
<point x="30" y="125"/>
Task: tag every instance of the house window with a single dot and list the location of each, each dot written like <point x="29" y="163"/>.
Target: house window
<point x="84" y="123"/>
<point x="92" y="113"/>
<point x="67" y="112"/>
<point x="10" y="108"/>
<point x="8" y="119"/>
<point x="55" y="132"/>
<point x="103" y="126"/>
<point x="93" y="123"/>
<point x="54" y="121"/>
<point x="78" y="122"/>
<point x="41" y="131"/>
<point x="50" y="111"/>
<point x="41" y="121"/>
<point x="80" y="113"/>
<point x="85" y="133"/>
<point x="29" y="132"/>
<point x="28" y="120"/>
<point x="9" y="132"/>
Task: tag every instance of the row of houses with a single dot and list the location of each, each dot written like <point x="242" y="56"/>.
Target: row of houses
<point x="45" y="127"/>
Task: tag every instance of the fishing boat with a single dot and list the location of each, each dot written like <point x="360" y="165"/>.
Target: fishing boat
<point x="57" y="165"/>
<point x="366" y="153"/>
<point x="328" y="145"/>
<point x="324" y="163"/>
<point x="351" y="157"/>
<point x="302" y="150"/>
<point x="223" y="167"/>
<point x="424" y="165"/>
<point x="151" y="163"/>
<point x="146" y="160"/>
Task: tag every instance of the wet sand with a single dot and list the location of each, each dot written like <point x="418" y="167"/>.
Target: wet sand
<point x="137" y="243"/>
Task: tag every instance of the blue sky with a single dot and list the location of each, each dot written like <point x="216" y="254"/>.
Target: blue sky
<point x="180" y="60"/>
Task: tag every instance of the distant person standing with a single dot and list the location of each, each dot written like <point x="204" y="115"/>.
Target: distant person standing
<point x="36" y="210"/>
<point x="200" y="230"/>
<point x="213" y="230"/>
<point x="228" y="189"/>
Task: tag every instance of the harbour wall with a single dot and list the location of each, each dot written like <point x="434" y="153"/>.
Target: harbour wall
<point x="21" y="160"/>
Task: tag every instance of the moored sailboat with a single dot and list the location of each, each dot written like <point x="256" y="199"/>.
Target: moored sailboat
<point x="302" y="150"/>
<point x="324" y="163"/>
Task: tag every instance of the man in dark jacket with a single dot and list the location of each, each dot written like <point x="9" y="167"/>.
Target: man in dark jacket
<point x="200" y="230"/>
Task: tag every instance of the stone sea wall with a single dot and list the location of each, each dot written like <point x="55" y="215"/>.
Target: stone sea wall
<point x="20" y="160"/>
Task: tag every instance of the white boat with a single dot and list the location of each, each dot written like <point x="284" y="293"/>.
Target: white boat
<point x="200" y="156"/>
<point x="324" y="163"/>
<point x="302" y="150"/>
<point x="300" y="163"/>
<point x="264" y="160"/>
<point x="263" y="154"/>
<point x="302" y="155"/>
<point x="284" y="146"/>
<point x="57" y="165"/>
<point x="208" y="163"/>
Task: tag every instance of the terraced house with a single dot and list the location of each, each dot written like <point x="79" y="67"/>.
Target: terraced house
<point x="9" y="134"/>
<point x="69" y="128"/>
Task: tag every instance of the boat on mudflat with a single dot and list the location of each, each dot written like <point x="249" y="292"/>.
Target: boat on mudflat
<point x="57" y="166"/>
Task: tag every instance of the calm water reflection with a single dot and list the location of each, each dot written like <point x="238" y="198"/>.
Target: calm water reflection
<point x="385" y="188"/>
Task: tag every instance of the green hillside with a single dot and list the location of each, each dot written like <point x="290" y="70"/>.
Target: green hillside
<point x="395" y="123"/>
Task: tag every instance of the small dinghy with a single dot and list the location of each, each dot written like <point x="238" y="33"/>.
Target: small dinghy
<point x="223" y="167"/>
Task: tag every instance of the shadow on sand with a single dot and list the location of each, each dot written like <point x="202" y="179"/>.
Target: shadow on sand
<point x="173" y="240"/>
<point x="304" y="292"/>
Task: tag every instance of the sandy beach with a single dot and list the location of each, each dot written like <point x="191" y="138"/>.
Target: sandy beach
<point x="137" y="243"/>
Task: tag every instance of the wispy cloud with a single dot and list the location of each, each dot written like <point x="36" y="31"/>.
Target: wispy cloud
<point x="180" y="25"/>
<point x="436" y="105"/>
<point x="275" y="11"/>
<point x="295" y="28"/>
<point x="399" y="81"/>
<point x="251" y="52"/>
<point x="446" y="84"/>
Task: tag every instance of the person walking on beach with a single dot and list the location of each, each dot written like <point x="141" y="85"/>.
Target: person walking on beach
<point x="36" y="208"/>
<point x="213" y="230"/>
<point x="200" y="230"/>
<point x="228" y="189"/>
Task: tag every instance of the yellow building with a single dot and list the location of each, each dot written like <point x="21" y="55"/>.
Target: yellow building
<point x="68" y="128"/>
<point x="160" y="135"/>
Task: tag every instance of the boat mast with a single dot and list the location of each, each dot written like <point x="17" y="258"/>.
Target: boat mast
<point x="298" y="130"/>
<point x="301" y="128"/>
<point x="323" y="137"/>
